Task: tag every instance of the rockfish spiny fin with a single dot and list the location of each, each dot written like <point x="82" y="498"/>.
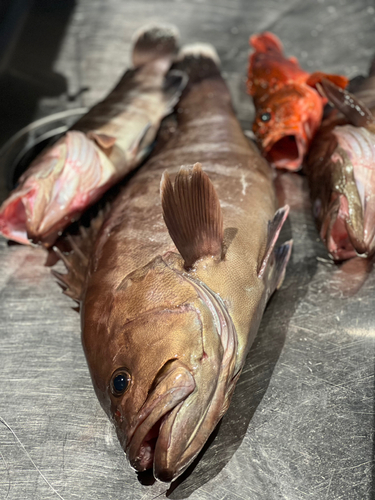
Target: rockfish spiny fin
<point x="154" y="42"/>
<point x="353" y="109"/>
<point x="77" y="261"/>
<point x="274" y="228"/>
<point x="192" y="214"/>
<point x="315" y="78"/>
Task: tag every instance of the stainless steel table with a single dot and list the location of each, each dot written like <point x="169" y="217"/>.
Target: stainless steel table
<point x="301" y="422"/>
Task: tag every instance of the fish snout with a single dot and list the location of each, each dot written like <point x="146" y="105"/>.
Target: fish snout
<point x="172" y="385"/>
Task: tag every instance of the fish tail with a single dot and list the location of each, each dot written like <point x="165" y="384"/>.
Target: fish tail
<point x="154" y="42"/>
<point x="266" y="42"/>
<point x="199" y="61"/>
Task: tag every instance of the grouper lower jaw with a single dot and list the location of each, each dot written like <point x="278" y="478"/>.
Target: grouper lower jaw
<point x="176" y="384"/>
<point x="184" y="432"/>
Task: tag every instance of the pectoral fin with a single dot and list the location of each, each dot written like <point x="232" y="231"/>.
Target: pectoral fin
<point x="353" y="109"/>
<point x="192" y="214"/>
<point x="282" y="256"/>
<point x="274" y="228"/>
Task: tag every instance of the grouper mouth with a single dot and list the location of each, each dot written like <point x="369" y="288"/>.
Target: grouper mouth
<point x="181" y="411"/>
<point x="156" y="417"/>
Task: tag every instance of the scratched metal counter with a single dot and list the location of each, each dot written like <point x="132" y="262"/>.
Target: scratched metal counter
<point x="301" y="422"/>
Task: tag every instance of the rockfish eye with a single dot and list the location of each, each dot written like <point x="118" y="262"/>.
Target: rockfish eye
<point x="265" y="117"/>
<point x="120" y="382"/>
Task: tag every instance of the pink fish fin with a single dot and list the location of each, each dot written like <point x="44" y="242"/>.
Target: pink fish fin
<point x="155" y="43"/>
<point x="349" y="105"/>
<point x="266" y="42"/>
<point x="104" y="141"/>
<point x="274" y="228"/>
<point x="318" y="77"/>
<point x="192" y="214"/>
<point x="77" y="260"/>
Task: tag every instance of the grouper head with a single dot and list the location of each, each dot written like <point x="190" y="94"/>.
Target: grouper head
<point x="161" y="350"/>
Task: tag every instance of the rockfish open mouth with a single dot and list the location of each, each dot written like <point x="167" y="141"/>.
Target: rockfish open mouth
<point x="153" y="423"/>
<point x="286" y="152"/>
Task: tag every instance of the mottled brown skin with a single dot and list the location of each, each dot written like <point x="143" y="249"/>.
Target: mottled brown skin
<point x="139" y="312"/>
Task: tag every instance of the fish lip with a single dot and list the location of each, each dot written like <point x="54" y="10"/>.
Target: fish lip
<point x="344" y="249"/>
<point x="157" y="409"/>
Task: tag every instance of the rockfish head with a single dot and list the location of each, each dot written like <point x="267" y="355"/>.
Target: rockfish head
<point x="285" y="123"/>
<point x="161" y="350"/>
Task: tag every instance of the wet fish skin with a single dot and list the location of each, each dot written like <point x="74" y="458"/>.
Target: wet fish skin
<point x="180" y="330"/>
<point x="100" y="149"/>
<point x="341" y="173"/>
<point x="288" y="107"/>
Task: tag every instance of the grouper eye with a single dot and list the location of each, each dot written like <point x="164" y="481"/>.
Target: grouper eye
<point x="120" y="382"/>
<point x="265" y="117"/>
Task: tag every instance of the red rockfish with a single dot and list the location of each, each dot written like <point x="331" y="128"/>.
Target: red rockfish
<point x="288" y="107"/>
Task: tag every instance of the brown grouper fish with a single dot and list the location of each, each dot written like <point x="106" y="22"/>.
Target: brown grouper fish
<point x="101" y="148"/>
<point x="179" y="277"/>
<point x="341" y="171"/>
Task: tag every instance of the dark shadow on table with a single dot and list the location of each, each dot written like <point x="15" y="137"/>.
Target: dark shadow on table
<point x="30" y="36"/>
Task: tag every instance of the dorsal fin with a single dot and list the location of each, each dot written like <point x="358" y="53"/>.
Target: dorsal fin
<point x="192" y="214"/>
<point x="316" y="78"/>
<point x="77" y="261"/>
<point x="353" y="109"/>
<point x="274" y="228"/>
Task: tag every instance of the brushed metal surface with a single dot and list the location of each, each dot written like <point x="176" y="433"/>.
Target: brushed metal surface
<point x="300" y="425"/>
